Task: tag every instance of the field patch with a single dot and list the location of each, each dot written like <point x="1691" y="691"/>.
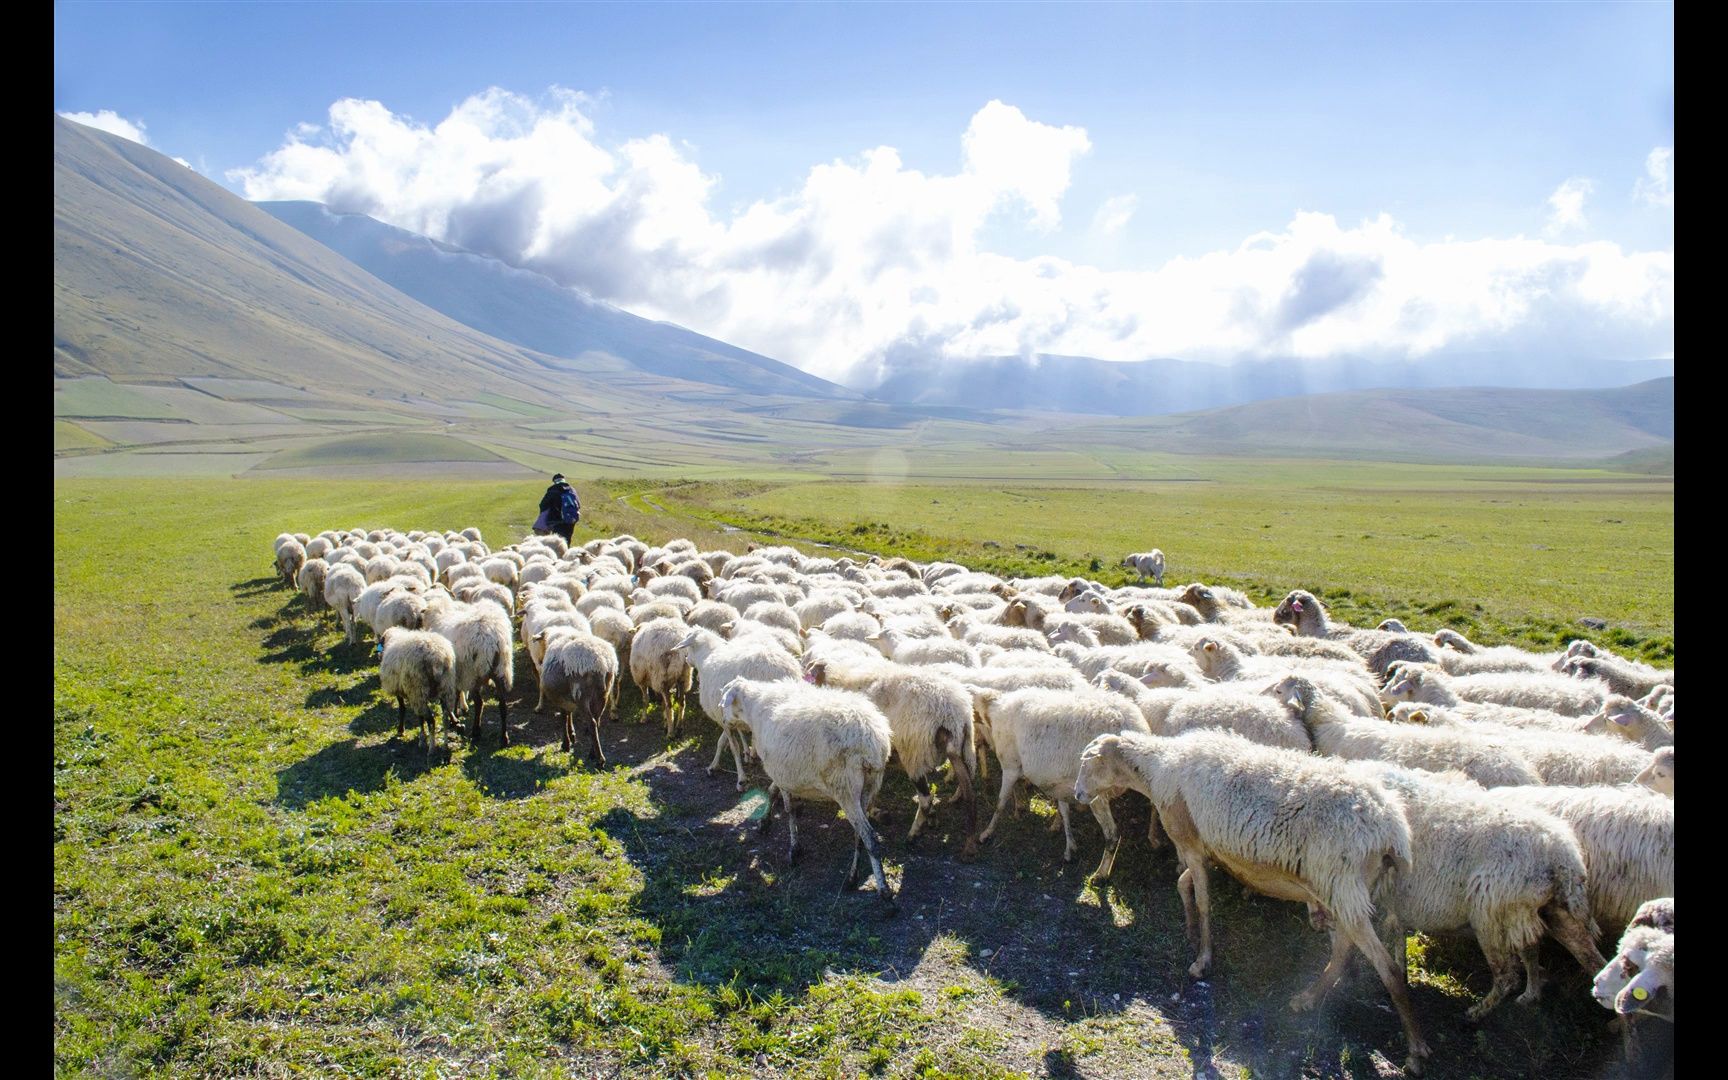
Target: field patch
<point x="380" y="449"/>
<point x="97" y="397"/>
<point x="69" y="436"/>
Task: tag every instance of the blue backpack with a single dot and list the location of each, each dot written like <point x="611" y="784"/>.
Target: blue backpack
<point x="569" y="508"/>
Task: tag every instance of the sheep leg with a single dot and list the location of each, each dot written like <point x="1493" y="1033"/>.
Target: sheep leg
<point x="597" y="755"/>
<point x="1154" y="835"/>
<point x="479" y="706"/>
<point x="1501" y="962"/>
<point x="399" y="712"/>
<point x="1010" y="776"/>
<point x="922" y="798"/>
<point x="1532" y="973"/>
<point x="565" y="729"/>
<point x="1202" y="888"/>
<point x="1112" y="840"/>
<point x="719" y="748"/>
<point x="1328" y="978"/>
<point x="964" y="777"/>
<point x="792" y="848"/>
<point x="1185" y="890"/>
<point x="1068" y="844"/>
<point x="767" y="812"/>
<point x="503" y="712"/>
<point x="736" y="760"/>
<point x="1362" y="936"/>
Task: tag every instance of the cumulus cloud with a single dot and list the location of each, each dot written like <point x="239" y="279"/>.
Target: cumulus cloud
<point x="867" y="261"/>
<point x="113" y="123"/>
<point x="1566" y="205"/>
<point x="1656" y="186"/>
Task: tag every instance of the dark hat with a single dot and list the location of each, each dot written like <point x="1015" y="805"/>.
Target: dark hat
<point x="557" y="476"/>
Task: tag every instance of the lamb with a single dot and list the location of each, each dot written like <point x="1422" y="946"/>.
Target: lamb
<point x="1039" y="734"/>
<point x="418" y="668"/>
<point x="1564" y="696"/>
<point x="1658" y="776"/>
<point x="1292" y="826"/>
<point x="718" y="662"/>
<point x="658" y="668"/>
<point x="1147" y="564"/>
<point x="1617" y="975"/>
<point x="577" y="673"/>
<point x="342" y="586"/>
<point x="1505" y="871"/>
<point x="1628" y="839"/>
<point x="1631" y="721"/>
<point x="1435" y="749"/>
<point x="817" y="743"/>
<point x="930" y="716"/>
<point x="290" y="557"/>
<point x="1458" y="655"/>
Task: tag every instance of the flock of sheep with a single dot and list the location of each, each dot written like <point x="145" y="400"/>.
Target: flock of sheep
<point x="1444" y="785"/>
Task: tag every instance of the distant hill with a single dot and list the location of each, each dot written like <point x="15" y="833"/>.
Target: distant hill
<point x="1457" y="425"/>
<point x="530" y="309"/>
<point x="1080" y="384"/>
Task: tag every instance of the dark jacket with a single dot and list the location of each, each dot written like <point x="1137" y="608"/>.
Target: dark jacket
<point x="549" y="501"/>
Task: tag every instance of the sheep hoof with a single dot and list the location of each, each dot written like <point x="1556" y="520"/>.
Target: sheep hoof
<point x="970" y="850"/>
<point x="1304" y="1001"/>
<point x="1475" y="1012"/>
<point x="1530" y="996"/>
<point x="1098" y="879"/>
<point x="1197" y="969"/>
<point x="890" y="907"/>
<point x="1417" y="1060"/>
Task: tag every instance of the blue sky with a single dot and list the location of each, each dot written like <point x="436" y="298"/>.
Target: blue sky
<point x="1207" y="124"/>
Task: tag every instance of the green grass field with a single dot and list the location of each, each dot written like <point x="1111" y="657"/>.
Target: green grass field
<point x="253" y="875"/>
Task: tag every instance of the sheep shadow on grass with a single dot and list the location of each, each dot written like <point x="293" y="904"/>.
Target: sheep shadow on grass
<point x="346" y="766"/>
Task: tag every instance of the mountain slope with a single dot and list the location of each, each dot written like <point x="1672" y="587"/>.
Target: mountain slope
<point x="1080" y="384"/>
<point x="530" y="309"/>
<point x="160" y="274"/>
<point x="1456" y="424"/>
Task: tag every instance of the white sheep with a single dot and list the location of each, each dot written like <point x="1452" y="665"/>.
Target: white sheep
<point x="1292" y="826"/>
<point x="342" y="587"/>
<point x="1658" y="776"/>
<point x="1505" y="871"/>
<point x="418" y="669"/>
<point x="1147" y="564"/>
<point x="817" y="743"/>
<point x="1627" y="834"/>
<point x="290" y="556"/>
<point x="1622" y="676"/>
<point x="577" y="673"/>
<point x="485" y="655"/>
<point x="658" y="668"/>
<point x="930" y="716"/>
<point x="1038" y="735"/>
<point x="1350" y="686"/>
<point x="1435" y="749"/>
<point x="310" y="581"/>
<point x="718" y="662"/>
<point x="1623" y="717"/>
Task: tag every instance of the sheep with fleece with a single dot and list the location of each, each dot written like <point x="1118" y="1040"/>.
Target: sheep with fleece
<point x="1505" y="872"/>
<point x="1147" y="564"/>
<point x="1458" y="655"/>
<point x="485" y="654"/>
<point x="930" y="717"/>
<point x="1621" y="677"/>
<point x="310" y="582"/>
<point x="1303" y="611"/>
<point x="538" y="618"/>
<point x="1487" y="695"/>
<point x="660" y="670"/>
<point x="1658" y="776"/>
<point x="1038" y="735"/>
<point x="1627" y="834"/>
<point x="717" y="662"/>
<point x="1631" y="959"/>
<point x="418" y="669"/>
<point x="900" y="648"/>
<point x="342" y="587"/>
<point x="290" y="557"/>
<point x="817" y="743"/>
<point x="1483" y="760"/>
<point x="972" y="631"/>
<point x="1631" y="721"/>
<point x="1349" y="686"/>
<point x="1292" y="826"/>
<point x="577" y="673"/>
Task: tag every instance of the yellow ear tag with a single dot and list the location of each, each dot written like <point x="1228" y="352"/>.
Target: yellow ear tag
<point x="1640" y="993"/>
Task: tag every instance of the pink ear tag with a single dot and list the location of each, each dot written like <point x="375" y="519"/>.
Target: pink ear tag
<point x="1296" y="606"/>
<point x="809" y="677"/>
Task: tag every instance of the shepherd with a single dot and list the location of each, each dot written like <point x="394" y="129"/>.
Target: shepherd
<point x="560" y="509"/>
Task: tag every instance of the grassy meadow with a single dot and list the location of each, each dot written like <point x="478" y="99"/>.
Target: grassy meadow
<point x="253" y="875"/>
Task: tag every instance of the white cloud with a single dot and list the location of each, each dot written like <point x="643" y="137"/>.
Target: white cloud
<point x="1656" y="186"/>
<point x="1566" y="205"/>
<point x="113" y="123"/>
<point x="867" y="260"/>
<point x="1114" y="214"/>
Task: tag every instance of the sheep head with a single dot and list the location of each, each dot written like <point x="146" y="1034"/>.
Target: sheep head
<point x="1103" y="770"/>
<point x="1658" y="776"/>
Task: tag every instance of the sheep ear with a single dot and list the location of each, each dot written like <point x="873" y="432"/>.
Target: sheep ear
<point x="1210" y="646"/>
